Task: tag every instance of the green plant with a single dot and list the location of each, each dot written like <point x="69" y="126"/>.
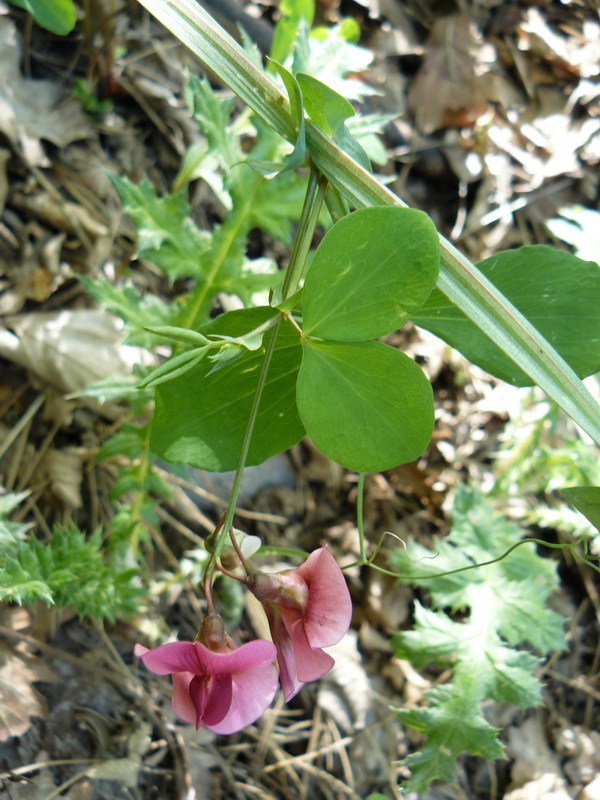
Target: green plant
<point x="70" y="571"/>
<point x="505" y="603"/>
<point x="302" y="357"/>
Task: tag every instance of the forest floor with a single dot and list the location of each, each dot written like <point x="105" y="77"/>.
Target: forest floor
<point x="497" y="131"/>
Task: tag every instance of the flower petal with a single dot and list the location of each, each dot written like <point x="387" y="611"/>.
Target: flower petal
<point x="286" y="659"/>
<point x="253" y="691"/>
<point x="172" y="657"/>
<point x="311" y="662"/>
<point x="198" y="692"/>
<point x="183" y="707"/>
<point x="218" y="700"/>
<point x="257" y="653"/>
<point x="329" y="611"/>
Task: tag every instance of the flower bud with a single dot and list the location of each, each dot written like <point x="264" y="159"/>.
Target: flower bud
<point x="212" y="632"/>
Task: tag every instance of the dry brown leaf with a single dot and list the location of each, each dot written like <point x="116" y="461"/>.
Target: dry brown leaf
<point x="31" y="110"/>
<point x="456" y="83"/>
<point x="19" y="701"/>
<point x="70" y="349"/>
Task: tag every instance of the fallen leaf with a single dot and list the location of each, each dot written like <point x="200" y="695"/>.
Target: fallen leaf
<point x="19" y="701"/>
<point x="31" y="110"/>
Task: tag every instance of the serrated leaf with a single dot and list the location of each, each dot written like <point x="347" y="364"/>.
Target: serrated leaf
<point x="371" y="270"/>
<point x="201" y="419"/>
<point x="506" y="605"/>
<point x="556" y="291"/>
<point x="453" y="726"/>
<point x="586" y="499"/>
<point x="166" y="234"/>
<point x="212" y="113"/>
<point x="364" y="404"/>
<point x="69" y="571"/>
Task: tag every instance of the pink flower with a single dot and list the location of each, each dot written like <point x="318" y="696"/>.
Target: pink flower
<point x="223" y="691"/>
<point x="308" y="608"/>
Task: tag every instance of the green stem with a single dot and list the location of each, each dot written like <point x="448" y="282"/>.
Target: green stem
<point x="308" y="220"/>
<point x="315" y="193"/>
<point x="359" y="516"/>
<point x="235" y="489"/>
<point x="567" y="546"/>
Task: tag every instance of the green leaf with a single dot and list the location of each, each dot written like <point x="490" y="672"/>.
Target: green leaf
<point x="179" y="334"/>
<point x="126" y="302"/>
<point x="372" y="269"/>
<point x="506" y="602"/>
<point x="459" y="279"/>
<point x="364" y="404"/>
<point x="212" y="113"/>
<point x="556" y="291"/>
<point x="56" y="16"/>
<point x="586" y="499"/>
<point x="292" y="13"/>
<point x="328" y="109"/>
<point x="453" y="726"/>
<point x="166" y="234"/>
<point x="201" y="419"/>
<point x="173" y="368"/>
<point x="69" y="571"/>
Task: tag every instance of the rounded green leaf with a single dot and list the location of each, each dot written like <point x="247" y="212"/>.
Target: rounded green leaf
<point x="57" y="16"/>
<point x="364" y="404"/>
<point x="201" y="418"/>
<point x="556" y="291"/>
<point x="372" y="269"/>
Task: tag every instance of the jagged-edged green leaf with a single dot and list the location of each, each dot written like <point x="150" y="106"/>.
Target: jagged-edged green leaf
<point x="557" y="292"/>
<point x="166" y="234"/>
<point x="364" y="404"/>
<point x="69" y="571"/>
<point x="372" y="269"/>
<point x="453" y="725"/>
<point x="201" y="419"/>
<point x="212" y="113"/>
<point x="503" y="605"/>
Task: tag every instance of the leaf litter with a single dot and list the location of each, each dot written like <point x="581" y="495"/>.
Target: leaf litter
<point x="493" y="156"/>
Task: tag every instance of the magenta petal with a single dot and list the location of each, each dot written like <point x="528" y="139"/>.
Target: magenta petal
<point x="311" y="663"/>
<point x="286" y="659"/>
<point x="183" y="707"/>
<point x="218" y="699"/>
<point x="253" y="691"/>
<point x="172" y="657"/>
<point x="329" y="612"/>
<point x="257" y="653"/>
<point x="198" y="692"/>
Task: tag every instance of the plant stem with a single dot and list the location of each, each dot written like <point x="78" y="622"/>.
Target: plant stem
<point x="317" y="186"/>
<point x="235" y="489"/>
<point x="315" y="193"/>
<point x="359" y="516"/>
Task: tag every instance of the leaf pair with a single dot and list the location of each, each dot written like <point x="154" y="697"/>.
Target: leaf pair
<point x="364" y="404"/>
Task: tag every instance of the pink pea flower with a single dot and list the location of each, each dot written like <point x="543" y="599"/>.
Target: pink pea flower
<point x="308" y="608"/>
<point x="223" y="691"/>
